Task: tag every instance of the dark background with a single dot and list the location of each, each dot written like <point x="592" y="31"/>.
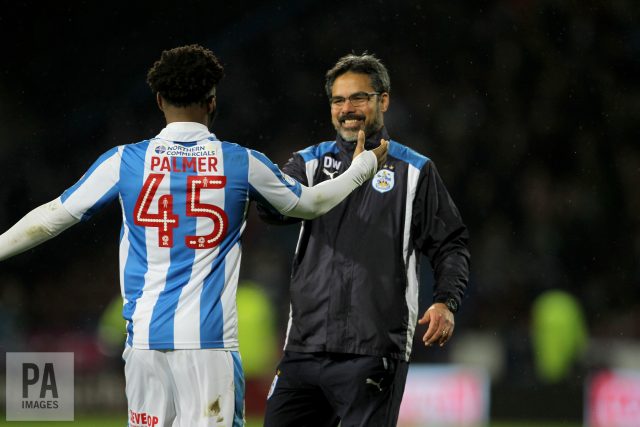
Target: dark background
<point x="528" y="108"/>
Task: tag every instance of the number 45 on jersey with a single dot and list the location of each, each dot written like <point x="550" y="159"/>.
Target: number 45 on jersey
<point x="166" y="220"/>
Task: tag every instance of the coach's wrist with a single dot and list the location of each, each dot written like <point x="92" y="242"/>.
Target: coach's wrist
<point x="451" y="304"/>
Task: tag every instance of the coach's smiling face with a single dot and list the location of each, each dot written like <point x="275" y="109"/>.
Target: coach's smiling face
<point x="348" y="118"/>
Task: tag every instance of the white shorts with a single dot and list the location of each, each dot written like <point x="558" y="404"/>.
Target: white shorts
<point x="184" y="388"/>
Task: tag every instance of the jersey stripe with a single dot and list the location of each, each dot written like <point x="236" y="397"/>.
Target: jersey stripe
<point x="133" y="254"/>
<point x="409" y="256"/>
<point x="122" y="259"/>
<point x="310" y="168"/>
<point x="211" y="328"/>
<point x="228" y="298"/>
<point x="236" y="208"/>
<point x="210" y="311"/>
<point x="238" y="386"/>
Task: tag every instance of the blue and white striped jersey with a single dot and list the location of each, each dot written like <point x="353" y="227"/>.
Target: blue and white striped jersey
<point x="184" y="196"/>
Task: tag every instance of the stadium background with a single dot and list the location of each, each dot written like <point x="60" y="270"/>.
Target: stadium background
<point x="528" y="107"/>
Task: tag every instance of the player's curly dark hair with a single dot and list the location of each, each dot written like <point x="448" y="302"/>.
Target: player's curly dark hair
<point x="185" y="75"/>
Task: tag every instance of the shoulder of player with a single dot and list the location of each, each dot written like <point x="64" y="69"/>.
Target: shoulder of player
<point x="232" y="147"/>
<point x="139" y="145"/>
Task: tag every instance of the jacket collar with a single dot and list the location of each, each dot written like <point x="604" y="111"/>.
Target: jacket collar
<point x="371" y="142"/>
<point x="185" y="132"/>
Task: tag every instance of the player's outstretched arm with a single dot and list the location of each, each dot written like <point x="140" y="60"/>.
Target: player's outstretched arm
<point x="319" y="199"/>
<point x="38" y="226"/>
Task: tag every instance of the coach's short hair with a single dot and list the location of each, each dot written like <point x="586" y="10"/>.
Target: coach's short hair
<point x="185" y="75"/>
<point x="364" y="64"/>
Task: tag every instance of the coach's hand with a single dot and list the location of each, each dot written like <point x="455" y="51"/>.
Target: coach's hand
<point x="380" y="151"/>
<point x="441" y="324"/>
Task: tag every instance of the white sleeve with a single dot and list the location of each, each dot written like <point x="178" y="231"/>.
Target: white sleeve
<point x="39" y="225"/>
<point x="320" y="199"/>
<point x="291" y="198"/>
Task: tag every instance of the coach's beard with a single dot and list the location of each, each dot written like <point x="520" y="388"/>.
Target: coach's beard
<point x="350" y="134"/>
<point x="349" y="125"/>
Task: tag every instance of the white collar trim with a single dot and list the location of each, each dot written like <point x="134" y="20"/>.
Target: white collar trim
<point x="185" y="132"/>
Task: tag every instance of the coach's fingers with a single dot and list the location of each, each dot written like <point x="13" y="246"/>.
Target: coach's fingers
<point x="381" y="152"/>
<point x="445" y="335"/>
<point x="359" y="144"/>
<point x="431" y="335"/>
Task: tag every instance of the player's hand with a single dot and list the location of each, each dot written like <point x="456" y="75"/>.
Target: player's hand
<point x="380" y="151"/>
<point x="441" y="325"/>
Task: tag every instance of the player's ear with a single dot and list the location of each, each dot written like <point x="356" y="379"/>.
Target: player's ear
<point x="211" y="104"/>
<point x="159" y="101"/>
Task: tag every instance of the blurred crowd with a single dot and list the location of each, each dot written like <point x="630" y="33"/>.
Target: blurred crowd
<point x="530" y="110"/>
